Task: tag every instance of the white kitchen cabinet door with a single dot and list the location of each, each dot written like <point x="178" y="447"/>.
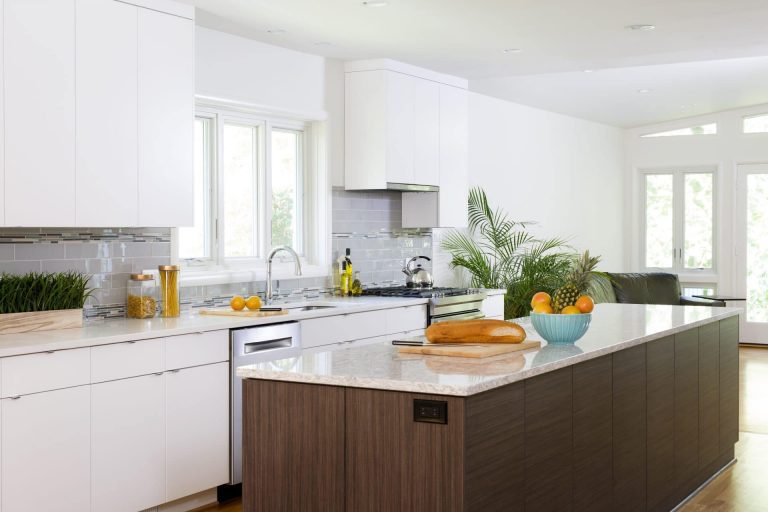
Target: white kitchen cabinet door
<point x="107" y="114"/>
<point x="166" y="119"/>
<point x="399" y="123"/>
<point x="128" y="444"/>
<point x="39" y="74"/>
<point x="2" y="120"/>
<point x="426" y="132"/>
<point x="454" y="157"/>
<point x="46" y="451"/>
<point x="197" y="433"/>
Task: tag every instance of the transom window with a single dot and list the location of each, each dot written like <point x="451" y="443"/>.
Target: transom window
<point x="757" y="123"/>
<point x="250" y="180"/>
<point x="704" y="129"/>
<point x="679" y="220"/>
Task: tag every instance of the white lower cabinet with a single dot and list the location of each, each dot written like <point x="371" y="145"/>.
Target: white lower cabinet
<point x="128" y="444"/>
<point x="197" y="432"/>
<point x="46" y="447"/>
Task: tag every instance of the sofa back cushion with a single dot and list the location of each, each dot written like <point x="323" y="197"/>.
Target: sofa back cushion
<point x="646" y="288"/>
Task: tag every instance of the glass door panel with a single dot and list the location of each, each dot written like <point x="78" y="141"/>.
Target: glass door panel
<point x="757" y="247"/>
<point x="698" y="220"/>
<point x="659" y="221"/>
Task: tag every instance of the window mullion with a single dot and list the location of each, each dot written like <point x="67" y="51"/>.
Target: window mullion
<point x="266" y="195"/>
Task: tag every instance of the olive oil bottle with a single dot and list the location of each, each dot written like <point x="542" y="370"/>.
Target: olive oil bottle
<point x="345" y="283"/>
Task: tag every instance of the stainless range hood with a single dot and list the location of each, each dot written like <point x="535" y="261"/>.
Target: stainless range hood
<point x="410" y="187"/>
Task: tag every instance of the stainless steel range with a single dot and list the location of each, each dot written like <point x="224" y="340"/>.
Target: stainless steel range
<point x="444" y="303"/>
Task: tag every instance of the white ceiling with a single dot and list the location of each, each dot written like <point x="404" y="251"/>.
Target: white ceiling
<point x="559" y="39"/>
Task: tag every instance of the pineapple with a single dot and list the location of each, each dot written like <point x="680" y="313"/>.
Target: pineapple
<point x="577" y="282"/>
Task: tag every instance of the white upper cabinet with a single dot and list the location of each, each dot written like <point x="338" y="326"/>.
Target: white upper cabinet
<point x="107" y="104"/>
<point x="166" y="119"/>
<point x="391" y="130"/>
<point x="99" y="110"/>
<point x="39" y="73"/>
<point x="448" y="207"/>
<point x="407" y="128"/>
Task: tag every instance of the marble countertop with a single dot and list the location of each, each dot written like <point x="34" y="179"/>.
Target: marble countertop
<point x="614" y="327"/>
<point x="104" y="332"/>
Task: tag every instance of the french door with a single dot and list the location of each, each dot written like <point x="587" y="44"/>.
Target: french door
<point x="751" y="249"/>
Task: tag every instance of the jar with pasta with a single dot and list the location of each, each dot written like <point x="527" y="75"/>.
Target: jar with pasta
<point x="169" y="291"/>
<point x="141" y="301"/>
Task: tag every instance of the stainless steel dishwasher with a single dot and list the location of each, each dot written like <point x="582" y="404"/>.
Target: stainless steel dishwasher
<point x="251" y="345"/>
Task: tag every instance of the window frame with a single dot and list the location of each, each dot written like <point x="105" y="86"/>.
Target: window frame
<point x="690" y="275"/>
<point x="312" y="205"/>
<point x="749" y="116"/>
<point x="664" y="134"/>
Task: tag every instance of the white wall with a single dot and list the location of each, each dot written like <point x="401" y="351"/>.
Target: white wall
<point x="240" y="69"/>
<point x="564" y="173"/>
<point x="725" y="151"/>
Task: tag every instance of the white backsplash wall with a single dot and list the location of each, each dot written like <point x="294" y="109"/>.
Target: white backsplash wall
<point x="370" y="224"/>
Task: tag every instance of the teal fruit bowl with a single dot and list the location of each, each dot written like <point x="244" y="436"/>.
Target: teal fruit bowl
<point x="561" y="328"/>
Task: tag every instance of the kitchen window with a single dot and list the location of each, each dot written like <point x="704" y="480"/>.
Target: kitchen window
<point x="256" y="185"/>
<point x="704" y="129"/>
<point x="757" y="123"/>
<point x="679" y="220"/>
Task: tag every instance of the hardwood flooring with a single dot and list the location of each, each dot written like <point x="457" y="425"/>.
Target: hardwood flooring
<point x="740" y="488"/>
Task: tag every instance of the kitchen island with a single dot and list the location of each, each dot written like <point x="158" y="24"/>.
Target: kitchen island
<point x="634" y="416"/>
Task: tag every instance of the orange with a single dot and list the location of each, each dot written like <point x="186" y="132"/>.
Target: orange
<point x="237" y="303"/>
<point x="541" y="298"/>
<point x="585" y="304"/>
<point x="253" y="303"/>
<point x="543" y="308"/>
<point x="570" y="310"/>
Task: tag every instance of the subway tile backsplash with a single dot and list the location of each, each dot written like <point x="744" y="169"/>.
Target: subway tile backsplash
<point x="368" y="222"/>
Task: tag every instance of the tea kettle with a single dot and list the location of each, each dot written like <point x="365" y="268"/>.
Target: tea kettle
<point x="418" y="276"/>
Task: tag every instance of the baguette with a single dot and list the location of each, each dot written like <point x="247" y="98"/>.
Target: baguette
<point x="475" y="331"/>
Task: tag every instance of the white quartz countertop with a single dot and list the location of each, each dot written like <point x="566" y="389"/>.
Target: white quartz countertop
<point x="614" y="327"/>
<point x="103" y="332"/>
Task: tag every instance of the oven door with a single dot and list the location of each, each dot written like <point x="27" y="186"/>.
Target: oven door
<point x="463" y="315"/>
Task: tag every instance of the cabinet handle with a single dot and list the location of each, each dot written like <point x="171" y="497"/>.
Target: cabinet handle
<point x="158" y="374"/>
<point x="15" y="397"/>
<point x="130" y="342"/>
<point x="50" y="351"/>
<point x="176" y="371"/>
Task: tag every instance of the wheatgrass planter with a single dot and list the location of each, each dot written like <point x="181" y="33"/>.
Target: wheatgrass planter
<point x="14" y="323"/>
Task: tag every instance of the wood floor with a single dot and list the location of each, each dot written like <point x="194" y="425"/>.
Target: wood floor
<point x="744" y="486"/>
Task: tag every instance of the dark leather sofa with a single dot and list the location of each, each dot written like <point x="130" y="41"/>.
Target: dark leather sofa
<point x="652" y="288"/>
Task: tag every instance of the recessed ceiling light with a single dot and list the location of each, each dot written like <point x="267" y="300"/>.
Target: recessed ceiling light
<point x="589" y="70"/>
<point x="644" y="91"/>
<point x="512" y="50"/>
<point x="376" y="3"/>
<point x="641" y="26"/>
<point x="276" y="31"/>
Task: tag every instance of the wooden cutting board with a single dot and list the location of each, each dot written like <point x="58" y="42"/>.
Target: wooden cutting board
<point x="471" y="350"/>
<point x="243" y="314"/>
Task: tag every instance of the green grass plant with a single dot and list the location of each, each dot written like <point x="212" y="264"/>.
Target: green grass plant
<point x="43" y="291"/>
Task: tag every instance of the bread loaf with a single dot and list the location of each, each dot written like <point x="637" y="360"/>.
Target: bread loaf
<point x="475" y="331"/>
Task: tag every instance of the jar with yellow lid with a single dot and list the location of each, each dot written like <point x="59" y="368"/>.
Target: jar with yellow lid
<point x="141" y="301"/>
<point x="170" y="305"/>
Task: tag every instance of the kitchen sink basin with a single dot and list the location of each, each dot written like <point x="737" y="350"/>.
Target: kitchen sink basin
<point x="310" y="308"/>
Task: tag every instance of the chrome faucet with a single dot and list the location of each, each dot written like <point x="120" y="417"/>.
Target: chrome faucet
<point x="268" y="295"/>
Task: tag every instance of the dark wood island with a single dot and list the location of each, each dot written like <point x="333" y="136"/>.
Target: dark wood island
<point x="635" y="416"/>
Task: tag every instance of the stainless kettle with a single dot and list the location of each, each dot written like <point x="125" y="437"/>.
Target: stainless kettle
<point x="417" y="276"/>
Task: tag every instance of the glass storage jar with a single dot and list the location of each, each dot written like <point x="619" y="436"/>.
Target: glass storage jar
<point x="169" y="291"/>
<point x="141" y="301"/>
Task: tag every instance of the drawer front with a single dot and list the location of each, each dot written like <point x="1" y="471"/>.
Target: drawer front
<point x="493" y="307"/>
<point x="196" y="349"/>
<point x="406" y="319"/>
<point x="339" y="328"/>
<point x="123" y="360"/>
<point x="33" y="373"/>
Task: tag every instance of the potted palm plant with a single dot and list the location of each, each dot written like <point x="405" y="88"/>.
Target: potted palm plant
<point x="498" y="252"/>
<point x="42" y="301"/>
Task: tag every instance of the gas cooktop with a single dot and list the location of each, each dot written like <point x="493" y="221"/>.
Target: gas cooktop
<point x="419" y="293"/>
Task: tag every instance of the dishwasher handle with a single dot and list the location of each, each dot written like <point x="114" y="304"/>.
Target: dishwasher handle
<point x="258" y="346"/>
